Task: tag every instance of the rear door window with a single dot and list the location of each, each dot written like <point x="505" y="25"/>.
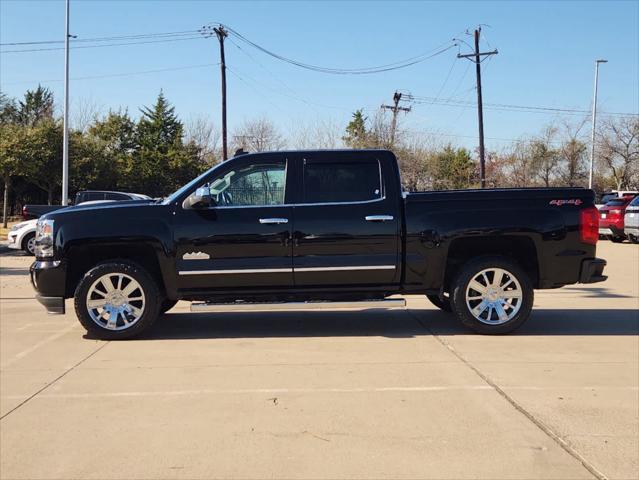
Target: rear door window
<point x="342" y="182"/>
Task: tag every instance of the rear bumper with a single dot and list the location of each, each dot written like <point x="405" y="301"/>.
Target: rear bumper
<point x="610" y="230"/>
<point x="592" y="271"/>
<point x="631" y="230"/>
<point x="49" y="280"/>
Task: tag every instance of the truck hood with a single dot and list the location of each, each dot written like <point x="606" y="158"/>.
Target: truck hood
<point x="97" y="208"/>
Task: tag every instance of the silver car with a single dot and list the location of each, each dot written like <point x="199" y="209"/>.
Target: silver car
<point x="631" y="221"/>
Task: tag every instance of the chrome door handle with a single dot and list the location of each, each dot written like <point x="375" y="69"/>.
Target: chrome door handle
<point x="378" y="218"/>
<point x="273" y="221"/>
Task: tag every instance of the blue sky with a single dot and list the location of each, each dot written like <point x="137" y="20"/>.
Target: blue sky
<point x="546" y="56"/>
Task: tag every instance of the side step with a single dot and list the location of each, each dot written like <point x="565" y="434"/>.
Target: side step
<point x="284" y="306"/>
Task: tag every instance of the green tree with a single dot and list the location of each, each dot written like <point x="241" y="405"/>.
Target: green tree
<point x="8" y="109"/>
<point x="104" y="156"/>
<point x="356" y="133"/>
<point x="45" y="156"/>
<point x="36" y="107"/>
<point x="162" y="161"/>
<point x="13" y="158"/>
<point x="454" y="169"/>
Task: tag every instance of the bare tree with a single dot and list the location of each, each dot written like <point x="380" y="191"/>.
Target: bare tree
<point x="619" y="151"/>
<point x="572" y="155"/>
<point x="258" y="135"/>
<point x="205" y="134"/>
<point x="85" y="112"/>
<point x="519" y="166"/>
<point x="315" y="134"/>
<point x="544" y="156"/>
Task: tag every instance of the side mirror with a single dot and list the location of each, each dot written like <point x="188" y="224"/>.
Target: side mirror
<point x="201" y="198"/>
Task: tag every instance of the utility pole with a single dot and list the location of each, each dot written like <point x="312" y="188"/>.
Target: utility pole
<point x="395" y="108"/>
<point x="221" y="35"/>
<point x="65" y="134"/>
<point x="480" y="111"/>
<point x="594" y="122"/>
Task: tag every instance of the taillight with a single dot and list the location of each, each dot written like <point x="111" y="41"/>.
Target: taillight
<point x="25" y="213"/>
<point x="589" y="225"/>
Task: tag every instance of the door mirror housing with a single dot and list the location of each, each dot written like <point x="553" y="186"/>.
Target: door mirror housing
<point x="201" y="198"/>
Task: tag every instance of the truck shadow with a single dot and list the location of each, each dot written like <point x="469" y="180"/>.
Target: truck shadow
<point x="390" y="324"/>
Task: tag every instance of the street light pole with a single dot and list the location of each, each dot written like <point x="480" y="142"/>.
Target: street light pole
<point x="594" y="121"/>
<point x="65" y="134"/>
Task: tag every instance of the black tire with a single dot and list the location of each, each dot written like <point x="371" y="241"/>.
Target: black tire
<point x="617" y="239"/>
<point x="167" y="305"/>
<point x="149" y="288"/>
<point x="27" y="246"/>
<point x="633" y="239"/>
<point x="475" y="267"/>
<point x="439" y="303"/>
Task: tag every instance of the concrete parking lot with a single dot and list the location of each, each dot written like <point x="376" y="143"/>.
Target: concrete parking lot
<point x="401" y="394"/>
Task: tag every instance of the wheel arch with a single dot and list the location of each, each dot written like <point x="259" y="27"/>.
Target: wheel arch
<point x="82" y="256"/>
<point x="520" y="249"/>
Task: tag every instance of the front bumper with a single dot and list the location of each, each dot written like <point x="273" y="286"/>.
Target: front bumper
<point x="592" y="271"/>
<point x="54" y="305"/>
<point x="48" y="278"/>
<point x="12" y="241"/>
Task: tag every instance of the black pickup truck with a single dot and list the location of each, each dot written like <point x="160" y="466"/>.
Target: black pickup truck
<point x="315" y="230"/>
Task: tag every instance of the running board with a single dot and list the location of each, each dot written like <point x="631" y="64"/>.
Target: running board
<point x="284" y="306"/>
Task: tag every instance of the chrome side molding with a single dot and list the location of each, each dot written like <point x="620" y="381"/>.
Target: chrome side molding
<point x="378" y="218"/>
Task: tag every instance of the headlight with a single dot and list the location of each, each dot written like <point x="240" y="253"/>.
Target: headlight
<point x="44" y="238"/>
<point x="18" y="226"/>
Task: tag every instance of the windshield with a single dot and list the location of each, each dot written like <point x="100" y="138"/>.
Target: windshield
<point x="635" y="202"/>
<point x="188" y="187"/>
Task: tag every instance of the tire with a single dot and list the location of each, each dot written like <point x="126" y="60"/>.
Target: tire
<point x="28" y="244"/>
<point x="135" y="310"/>
<point x="167" y="305"/>
<point x="439" y="303"/>
<point x="494" y="319"/>
<point x="633" y="239"/>
<point x="617" y="239"/>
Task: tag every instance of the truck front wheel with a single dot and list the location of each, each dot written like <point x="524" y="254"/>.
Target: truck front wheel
<point x="492" y="295"/>
<point x="117" y="300"/>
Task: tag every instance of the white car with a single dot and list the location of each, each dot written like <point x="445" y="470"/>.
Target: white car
<point x="22" y="236"/>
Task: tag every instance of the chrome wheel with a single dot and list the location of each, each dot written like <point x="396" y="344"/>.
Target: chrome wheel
<point x="115" y="301"/>
<point x="494" y="296"/>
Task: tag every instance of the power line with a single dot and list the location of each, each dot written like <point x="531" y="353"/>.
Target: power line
<point x="102" y="39"/>
<point x="122" y="74"/>
<point x="162" y="40"/>
<point x="348" y="71"/>
<point x="507" y="107"/>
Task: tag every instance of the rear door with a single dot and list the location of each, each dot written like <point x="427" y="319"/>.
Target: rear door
<point x="347" y="221"/>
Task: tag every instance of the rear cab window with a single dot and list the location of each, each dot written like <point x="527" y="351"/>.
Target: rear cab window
<point x="341" y="181"/>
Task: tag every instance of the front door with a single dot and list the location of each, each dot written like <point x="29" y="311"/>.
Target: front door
<point x="242" y="240"/>
<point x="347" y="228"/>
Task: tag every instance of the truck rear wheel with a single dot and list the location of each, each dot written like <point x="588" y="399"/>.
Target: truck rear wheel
<point x="117" y="300"/>
<point x="492" y="295"/>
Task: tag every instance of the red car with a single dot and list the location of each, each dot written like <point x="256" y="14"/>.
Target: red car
<point x="611" y="215"/>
